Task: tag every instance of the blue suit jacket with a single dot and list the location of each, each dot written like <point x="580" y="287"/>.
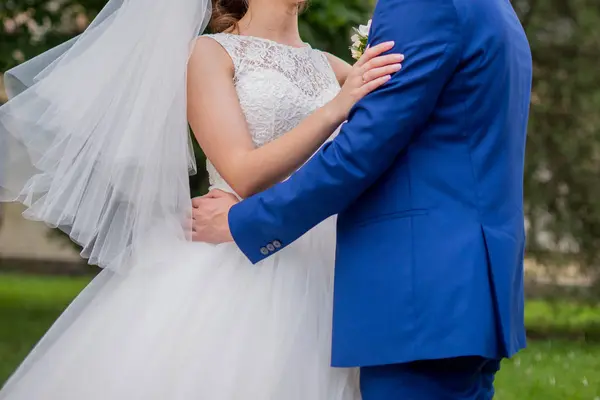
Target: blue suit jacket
<point x="427" y="179"/>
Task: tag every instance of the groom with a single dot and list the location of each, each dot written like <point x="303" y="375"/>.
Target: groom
<point x="426" y="177"/>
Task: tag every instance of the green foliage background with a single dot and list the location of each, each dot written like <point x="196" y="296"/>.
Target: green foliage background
<point x="563" y="156"/>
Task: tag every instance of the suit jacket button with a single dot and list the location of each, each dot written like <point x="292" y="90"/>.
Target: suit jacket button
<point x="271" y="247"/>
<point x="264" y="251"/>
<point x="277" y="244"/>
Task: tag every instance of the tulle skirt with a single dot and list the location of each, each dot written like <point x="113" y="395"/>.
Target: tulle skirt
<point x="196" y="321"/>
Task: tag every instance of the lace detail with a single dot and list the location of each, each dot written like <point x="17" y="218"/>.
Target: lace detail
<point x="278" y="86"/>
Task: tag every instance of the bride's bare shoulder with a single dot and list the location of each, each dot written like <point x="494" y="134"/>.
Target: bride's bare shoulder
<point x="208" y="52"/>
<point x="340" y="67"/>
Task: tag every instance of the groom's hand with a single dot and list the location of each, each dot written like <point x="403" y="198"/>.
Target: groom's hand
<point x="210" y="217"/>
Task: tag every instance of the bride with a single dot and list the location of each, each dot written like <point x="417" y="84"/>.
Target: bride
<point x="98" y="146"/>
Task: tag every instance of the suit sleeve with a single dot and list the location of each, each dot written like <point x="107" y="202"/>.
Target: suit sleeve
<point x="379" y="127"/>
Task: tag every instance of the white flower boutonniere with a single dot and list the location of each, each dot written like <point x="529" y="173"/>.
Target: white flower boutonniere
<point x="359" y="40"/>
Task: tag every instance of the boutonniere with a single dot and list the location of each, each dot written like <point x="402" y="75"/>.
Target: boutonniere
<point x="360" y="40"/>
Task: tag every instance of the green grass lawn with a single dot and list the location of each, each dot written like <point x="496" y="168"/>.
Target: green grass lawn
<point x="28" y="306"/>
<point x="547" y="370"/>
<point x="551" y="370"/>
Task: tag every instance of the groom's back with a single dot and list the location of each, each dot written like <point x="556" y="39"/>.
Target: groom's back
<point x="494" y="84"/>
<point x="476" y="135"/>
<point x="445" y="222"/>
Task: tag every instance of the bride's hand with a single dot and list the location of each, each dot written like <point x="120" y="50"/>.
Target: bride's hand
<point x="369" y="73"/>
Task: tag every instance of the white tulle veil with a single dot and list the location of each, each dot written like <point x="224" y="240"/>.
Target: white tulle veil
<point x="95" y="137"/>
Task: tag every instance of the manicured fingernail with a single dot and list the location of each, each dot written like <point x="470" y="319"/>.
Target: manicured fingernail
<point x="390" y="43"/>
<point x="399" y="57"/>
<point x="397" y="67"/>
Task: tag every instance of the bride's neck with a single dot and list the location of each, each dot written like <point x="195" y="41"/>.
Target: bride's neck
<point x="273" y="20"/>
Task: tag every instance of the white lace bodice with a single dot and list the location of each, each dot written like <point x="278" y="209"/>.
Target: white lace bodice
<point x="277" y="85"/>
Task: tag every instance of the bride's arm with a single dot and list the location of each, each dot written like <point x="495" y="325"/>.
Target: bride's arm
<point x="341" y="68"/>
<point x="216" y="117"/>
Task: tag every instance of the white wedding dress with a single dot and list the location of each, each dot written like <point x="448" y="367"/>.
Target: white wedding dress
<point x="199" y="322"/>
